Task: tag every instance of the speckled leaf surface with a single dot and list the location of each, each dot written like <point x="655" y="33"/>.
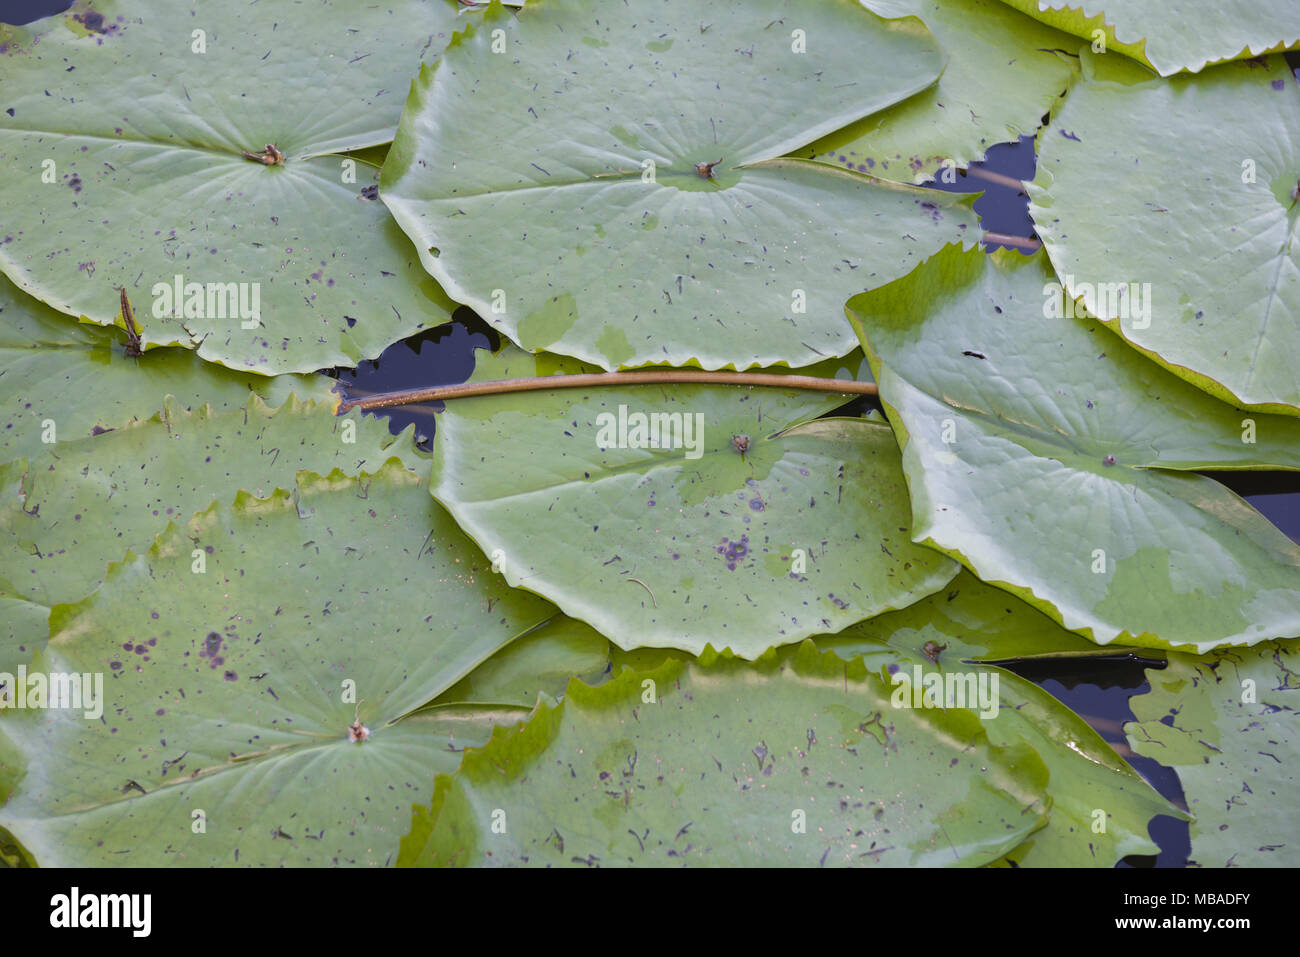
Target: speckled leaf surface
<point x="1054" y="461"/>
<point x="69" y="512"/>
<point x="717" y="762"/>
<point x="950" y="633"/>
<point x="1102" y="809"/>
<point x="973" y="621"/>
<point x="145" y="138"/>
<point x="538" y="663"/>
<point x="692" y="543"/>
<point x="1175" y="35"/>
<point x="24" y="624"/>
<point x="1199" y="270"/>
<point x="1227" y="724"/>
<point x="228" y="697"/>
<point x="74" y="375"/>
<point x="1004" y="72"/>
<point x="564" y="242"/>
<point x="24" y="627"/>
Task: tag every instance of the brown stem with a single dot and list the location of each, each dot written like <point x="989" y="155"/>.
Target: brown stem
<point x="993" y="177"/>
<point x="593" y="380"/>
<point x="1005" y="240"/>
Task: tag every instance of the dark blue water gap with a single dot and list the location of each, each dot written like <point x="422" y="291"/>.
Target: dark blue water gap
<point x="443" y="355"/>
<point x="19" y="12"/>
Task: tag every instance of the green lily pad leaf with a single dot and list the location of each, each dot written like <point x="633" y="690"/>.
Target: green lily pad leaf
<point x="65" y="380"/>
<point x="1004" y="73"/>
<point x="1227" y="725"/>
<point x="12" y="854"/>
<point x="24" y="624"/>
<point x="970" y="621"/>
<point x="128" y="171"/>
<point x="1174" y="35"/>
<point x="1208" y="282"/>
<point x="69" y="512"/>
<point x="539" y="663"/>
<point x="1101" y="807"/>
<point x="797" y="760"/>
<point x="693" y="542"/>
<point x="372" y="156"/>
<point x="12" y="766"/>
<point x="1050" y="459"/>
<point x="226" y="697"/>
<point x="25" y="627"/>
<point x="663" y="228"/>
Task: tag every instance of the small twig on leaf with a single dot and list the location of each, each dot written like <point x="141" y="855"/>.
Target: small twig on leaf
<point x="269" y="156"/>
<point x="646" y="587"/>
<point x="133" y="348"/>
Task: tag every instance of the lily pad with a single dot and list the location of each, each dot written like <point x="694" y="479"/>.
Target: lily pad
<point x="693" y="542"/>
<point x="638" y="211"/>
<point x="278" y="717"/>
<point x="127" y="169"/>
<point x="1004" y="73"/>
<point x="26" y="626"/>
<point x="798" y="760"/>
<point x="1208" y="279"/>
<point x="1175" y="35"/>
<point x="538" y="663"/>
<point x="1227" y="725"/>
<point x="74" y="378"/>
<point x="1055" y="462"/>
<point x="12" y="853"/>
<point x="972" y="621"/>
<point x="1101" y="807"/>
<point x="69" y="512"/>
